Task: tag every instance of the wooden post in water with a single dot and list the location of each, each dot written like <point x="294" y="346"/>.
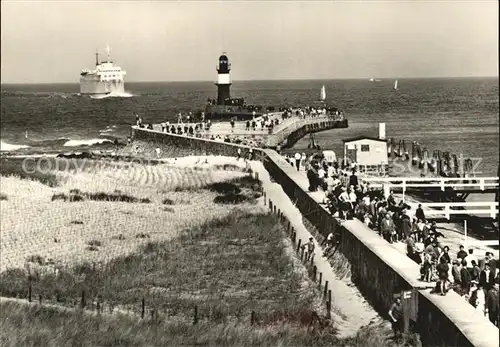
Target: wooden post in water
<point x="40" y="299"/>
<point x="314" y="273"/>
<point x="29" y="292"/>
<point x="252" y="318"/>
<point x="326" y="289"/>
<point x="320" y="279"/>
<point x="298" y="246"/>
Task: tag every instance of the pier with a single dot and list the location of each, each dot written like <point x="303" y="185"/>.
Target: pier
<point x="379" y="269"/>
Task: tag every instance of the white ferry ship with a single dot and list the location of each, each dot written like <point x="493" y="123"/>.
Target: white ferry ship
<point x="105" y="79"/>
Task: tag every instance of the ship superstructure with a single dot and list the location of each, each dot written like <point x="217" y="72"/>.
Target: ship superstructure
<point x="106" y="78"/>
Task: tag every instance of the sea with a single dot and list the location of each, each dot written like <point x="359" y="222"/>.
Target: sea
<point x="459" y="115"/>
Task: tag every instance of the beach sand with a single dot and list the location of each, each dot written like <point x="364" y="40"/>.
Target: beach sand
<point x="32" y="224"/>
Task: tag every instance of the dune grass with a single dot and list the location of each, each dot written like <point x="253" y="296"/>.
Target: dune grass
<point x="34" y="325"/>
<point x="77" y="195"/>
<point x="14" y="167"/>
<point x="227" y="267"/>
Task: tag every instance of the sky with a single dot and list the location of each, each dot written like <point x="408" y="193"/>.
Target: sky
<point x="51" y="41"/>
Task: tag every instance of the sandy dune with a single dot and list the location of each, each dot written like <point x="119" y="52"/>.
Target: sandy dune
<point x="31" y="223"/>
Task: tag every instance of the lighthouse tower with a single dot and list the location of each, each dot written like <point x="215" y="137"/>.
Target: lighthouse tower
<point x="223" y="80"/>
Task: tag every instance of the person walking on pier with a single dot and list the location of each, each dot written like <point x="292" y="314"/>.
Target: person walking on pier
<point x="486" y="277"/>
<point x="419" y="213"/>
<point x="387" y="228"/>
<point x="465" y="279"/>
<point x="492" y="304"/>
<point x="461" y="253"/>
<point x="298" y="157"/>
<point x="442" y="269"/>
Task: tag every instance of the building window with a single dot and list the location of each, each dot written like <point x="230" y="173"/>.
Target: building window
<point x="365" y="148"/>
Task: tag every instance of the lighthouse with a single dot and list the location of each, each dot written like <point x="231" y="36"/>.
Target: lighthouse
<point x="223" y="80"/>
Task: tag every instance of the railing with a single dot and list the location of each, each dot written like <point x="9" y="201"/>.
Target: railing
<point x="446" y="209"/>
<point x="481" y="183"/>
<point x="282" y="132"/>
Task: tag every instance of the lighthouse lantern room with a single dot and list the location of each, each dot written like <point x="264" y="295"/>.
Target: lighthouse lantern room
<point x="223" y="80"/>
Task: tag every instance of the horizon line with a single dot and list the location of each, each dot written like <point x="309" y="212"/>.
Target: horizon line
<point x="270" y="80"/>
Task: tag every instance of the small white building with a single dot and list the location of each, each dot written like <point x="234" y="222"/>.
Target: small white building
<point x="369" y="153"/>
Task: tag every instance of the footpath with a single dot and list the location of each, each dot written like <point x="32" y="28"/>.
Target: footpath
<point x="347" y="302"/>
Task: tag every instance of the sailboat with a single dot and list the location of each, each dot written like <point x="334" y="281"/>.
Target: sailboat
<point x="396" y="85"/>
<point x="322" y="94"/>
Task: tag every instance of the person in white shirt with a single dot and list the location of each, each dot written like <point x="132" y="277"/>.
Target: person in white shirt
<point x="469" y="258"/>
<point x="330" y="242"/>
<point x="330" y="170"/>
<point x="321" y="173"/>
<point x="158" y="152"/>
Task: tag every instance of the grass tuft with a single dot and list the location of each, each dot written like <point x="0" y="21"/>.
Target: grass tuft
<point x="76" y="195"/>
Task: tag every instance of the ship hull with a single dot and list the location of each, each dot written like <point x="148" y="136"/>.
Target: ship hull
<point x="93" y="86"/>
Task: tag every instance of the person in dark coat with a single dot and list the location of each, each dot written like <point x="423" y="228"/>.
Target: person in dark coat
<point x="405" y="224"/>
<point x="461" y="253"/>
<point x="492" y="304"/>
<point x="465" y="278"/>
<point x="419" y="213"/>
<point x="487" y="278"/>
<point x="353" y="179"/>
<point x="442" y="269"/>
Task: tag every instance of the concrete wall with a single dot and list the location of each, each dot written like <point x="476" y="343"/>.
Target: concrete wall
<point x="377" y="268"/>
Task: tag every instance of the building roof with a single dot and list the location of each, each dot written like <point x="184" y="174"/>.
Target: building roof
<point x="357" y="138"/>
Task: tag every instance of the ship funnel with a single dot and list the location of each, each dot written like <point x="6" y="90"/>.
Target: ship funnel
<point x="381" y="131"/>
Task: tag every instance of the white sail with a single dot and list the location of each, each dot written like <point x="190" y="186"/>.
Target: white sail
<point x="396" y="85"/>
<point x="322" y="95"/>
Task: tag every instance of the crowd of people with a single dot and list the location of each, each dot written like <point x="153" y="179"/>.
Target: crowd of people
<point x="474" y="278"/>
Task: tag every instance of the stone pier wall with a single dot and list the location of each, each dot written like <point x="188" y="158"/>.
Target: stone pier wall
<point x="377" y="268"/>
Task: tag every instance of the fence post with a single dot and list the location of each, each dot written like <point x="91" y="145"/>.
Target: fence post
<point x="270" y="205"/>
<point x="29" y="292"/>
<point x="298" y="245"/>
<point x="252" y="318"/>
<point x="98" y="307"/>
<point x="143" y="307"/>
<point x="326" y="289"/>
<point x="274" y="208"/>
<point x="320" y="279"/>
<point x="82" y="302"/>
<point x="329" y="305"/>
<point x="314" y="273"/>
<point x="195" y="319"/>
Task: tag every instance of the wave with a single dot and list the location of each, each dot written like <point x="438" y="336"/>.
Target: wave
<point x="91" y="142"/>
<point x="113" y="95"/>
<point x="9" y="147"/>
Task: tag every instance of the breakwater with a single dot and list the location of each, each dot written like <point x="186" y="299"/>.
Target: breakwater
<point x="378" y="269"/>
